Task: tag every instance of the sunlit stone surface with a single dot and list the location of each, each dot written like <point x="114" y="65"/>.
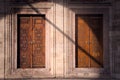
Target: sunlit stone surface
<point x="60" y="39"/>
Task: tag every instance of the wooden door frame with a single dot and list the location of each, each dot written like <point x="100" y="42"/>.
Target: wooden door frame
<point x="71" y="70"/>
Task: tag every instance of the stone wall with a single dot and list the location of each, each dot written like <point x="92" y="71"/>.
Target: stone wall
<point x="115" y="38"/>
<point x="2" y="25"/>
<point x="60" y="50"/>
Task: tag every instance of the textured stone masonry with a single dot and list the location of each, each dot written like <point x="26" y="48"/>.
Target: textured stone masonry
<point x="60" y="42"/>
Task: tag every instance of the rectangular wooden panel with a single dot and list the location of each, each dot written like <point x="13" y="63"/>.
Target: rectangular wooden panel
<point x="89" y="41"/>
<point x="24" y="45"/>
<point x="96" y="41"/>
<point x="82" y="48"/>
<point x="39" y="42"/>
<point x="31" y="41"/>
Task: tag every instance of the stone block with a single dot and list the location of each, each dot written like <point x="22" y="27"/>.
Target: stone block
<point x="1" y="46"/>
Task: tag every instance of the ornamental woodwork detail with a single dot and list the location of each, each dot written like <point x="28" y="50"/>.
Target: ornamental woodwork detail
<point x="23" y="39"/>
<point x="32" y="41"/>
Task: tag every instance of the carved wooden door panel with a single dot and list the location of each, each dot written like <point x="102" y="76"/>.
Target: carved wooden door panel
<point x="89" y="41"/>
<point x="31" y="42"/>
<point x="38" y="42"/>
<point x="96" y="41"/>
<point x="25" y="38"/>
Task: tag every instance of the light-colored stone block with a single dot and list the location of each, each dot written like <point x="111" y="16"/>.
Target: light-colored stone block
<point x="2" y="46"/>
<point x="59" y="39"/>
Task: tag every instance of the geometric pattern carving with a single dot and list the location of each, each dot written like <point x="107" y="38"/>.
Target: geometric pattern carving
<point x="39" y="43"/>
<point x="31" y="41"/>
<point x="23" y="39"/>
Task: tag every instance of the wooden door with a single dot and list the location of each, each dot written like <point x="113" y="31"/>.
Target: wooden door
<point x="31" y="41"/>
<point x="82" y="38"/>
<point x="89" y="41"/>
<point x="38" y="55"/>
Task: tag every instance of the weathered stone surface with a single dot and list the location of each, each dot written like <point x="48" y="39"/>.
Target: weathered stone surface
<point x="59" y="38"/>
<point x="1" y="46"/>
<point x="59" y="28"/>
<point x="115" y="43"/>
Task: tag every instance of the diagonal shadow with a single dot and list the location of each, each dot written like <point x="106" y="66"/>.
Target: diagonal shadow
<point x="56" y="27"/>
